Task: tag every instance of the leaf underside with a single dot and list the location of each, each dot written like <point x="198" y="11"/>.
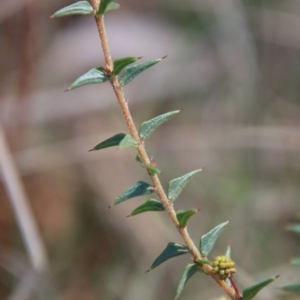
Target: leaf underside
<point x="250" y="292"/>
<point x="78" y="8"/>
<point x="178" y="184"/>
<point x="189" y="271"/>
<point x="128" y="141"/>
<point x="149" y="205"/>
<point x="106" y="5"/>
<point x="208" y="240"/>
<point x="148" y="127"/>
<point x="130" y="72"/>
<point x="93" y="76"/>
<point x="183" y="216"/>
<point x="172" y="250"/>
<point x="138" y="189"/>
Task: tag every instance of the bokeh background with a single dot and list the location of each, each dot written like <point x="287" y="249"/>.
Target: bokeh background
<point x="233" y="68"/>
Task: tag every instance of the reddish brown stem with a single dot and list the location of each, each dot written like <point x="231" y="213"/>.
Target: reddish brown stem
<point x="146" y="160"/>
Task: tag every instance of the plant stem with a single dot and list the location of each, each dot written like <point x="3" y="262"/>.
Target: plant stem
<point x="19" y="202"/>
<point x="145" y="159"/>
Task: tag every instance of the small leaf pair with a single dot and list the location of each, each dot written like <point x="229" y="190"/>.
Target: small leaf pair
<point x="122" y="67"/>
<point x="85" y="8"/>
<point x="124" y="140"/>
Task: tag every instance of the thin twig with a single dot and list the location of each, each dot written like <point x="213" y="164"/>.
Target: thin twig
<point x="23" y="214"/>
<point x="145" y="158"/>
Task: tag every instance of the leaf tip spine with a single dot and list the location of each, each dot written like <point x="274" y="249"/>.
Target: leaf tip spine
<point x="164" y="57"/>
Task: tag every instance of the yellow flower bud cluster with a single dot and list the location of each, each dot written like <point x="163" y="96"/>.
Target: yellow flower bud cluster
<point x="224" y="267"/>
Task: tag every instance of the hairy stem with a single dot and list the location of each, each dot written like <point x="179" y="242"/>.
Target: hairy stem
<point x="145" y="159"/>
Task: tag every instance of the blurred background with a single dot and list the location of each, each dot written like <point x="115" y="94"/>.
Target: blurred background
<point x="233" y="68"/>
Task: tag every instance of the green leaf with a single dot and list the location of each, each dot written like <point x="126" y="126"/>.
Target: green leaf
<point x="172" y="250"/>
<point x="78" y="8"/>
<point x="96" y="75"/>
<point x="228" y="251"/>
<point x="121" y="139"/>
<point x="296" y="261"/>
<point x="208" y="240"/>
<point x="138" y="189"/>
<point x="183" y="216"/>
<point x="189" y="271"/>
<point x="149" y="205"/>
<point x="106" y="5"/>
<point x="138" y="159"/>
<point x="130" y="72"/>
<point x="113" y="141"/>
<point x="121" y="63"/>
<point x="250" y="292"/>
<point x="148" y="127"/>
<point x="294" y="288"/>
<point x="128" y="141"/>
<point x="294" y="228"/>
<point x="177" y="185"/>
<point x="152" y="170"/>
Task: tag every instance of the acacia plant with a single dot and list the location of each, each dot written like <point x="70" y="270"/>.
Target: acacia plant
<point x="119" y="72"/>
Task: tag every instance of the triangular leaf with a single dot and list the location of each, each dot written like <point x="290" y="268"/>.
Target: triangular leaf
<point x="113" y="141"/>
<point x="189" y="271"/>
<point x="294" y="228"/>
<point x="183" y="216"/>
<point x="172" y="250"/>
<point x="177" y="185"/>
<point x="106" y="5"/>
<point x="250" y="292"/>
<point x="128" y="141"/>
<point x="208" y="240"/>
<point x="148" y="127"/>
<point x="149" y="205"/>
<point x="112" y="5"/>
<point x="78" y="8"/>
<point x="130" y="72"/>
<point x="294" y="288"/>
<point x="121" y="63"/>
<point x="96" y="75"/>
<point x="152" y="170"/>
<point x="138" y="189"/>
<point x="138" y="159"/>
